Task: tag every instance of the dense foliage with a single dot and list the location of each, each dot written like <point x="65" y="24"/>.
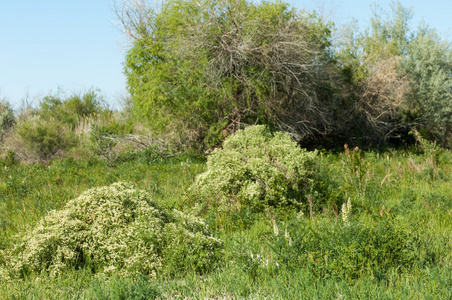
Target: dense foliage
<point x="208" y="67"/>
<point x="203" y="69"/>
<point x="256" y="169"/>
<point x="259" y="218"/>
<point x="6" y="118"/>
<point x="116" y="229"/>
<point x="400" y="77"/>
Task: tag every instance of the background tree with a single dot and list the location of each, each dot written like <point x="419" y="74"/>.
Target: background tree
<point x="399" y="78"/>
<point x="206" y="68"/>
<point x="211" y="66"/>
<point x="429" y="66"/>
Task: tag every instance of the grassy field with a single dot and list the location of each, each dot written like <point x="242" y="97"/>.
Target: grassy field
<point x="394" y="243"/>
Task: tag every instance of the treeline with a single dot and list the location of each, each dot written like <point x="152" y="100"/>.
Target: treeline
<point x="206" y="68"/>
<point x="81" y="126"/>
<point x="198" y="70"/>
<point x="61" y="125"/>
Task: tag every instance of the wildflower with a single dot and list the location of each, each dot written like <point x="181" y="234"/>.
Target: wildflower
<point x="346" y="211"/>
<point x="287" y="236"/>
<point x="300" y="215"/>
<point x="275" y="228"/>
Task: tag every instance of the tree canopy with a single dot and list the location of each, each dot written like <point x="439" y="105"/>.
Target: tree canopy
<point x="207" y="68"/>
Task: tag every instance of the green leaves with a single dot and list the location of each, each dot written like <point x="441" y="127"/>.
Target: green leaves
<point x="7" y="119"/>
<point x="119" y="230"/>
<point x="257" y="169"/>
<point x="400" y="77"/>
<point x="210" y="66"/>
<point x="429" y="65"/>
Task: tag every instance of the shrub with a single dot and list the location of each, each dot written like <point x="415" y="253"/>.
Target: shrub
<point x="115" y="230"/>
<point x="42" y="139"/>
<point x="256" y="168"/>
<point x="103" y="134"/>
<point x="69" y="110"/>
<point x="9" y="160"/>
<point x="6" y="117"/>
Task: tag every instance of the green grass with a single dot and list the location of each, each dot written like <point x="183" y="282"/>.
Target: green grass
<point x="397" y="243"/>
<point x="27" y="192"/>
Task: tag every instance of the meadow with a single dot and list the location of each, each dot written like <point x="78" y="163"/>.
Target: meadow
<point x="178" y="196"/>
<point x="392" y="240"/>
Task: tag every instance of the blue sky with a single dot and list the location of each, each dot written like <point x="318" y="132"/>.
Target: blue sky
<point x="74" y="45"/>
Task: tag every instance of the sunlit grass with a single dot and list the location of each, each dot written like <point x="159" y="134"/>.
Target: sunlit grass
<point x="399" y="187"/>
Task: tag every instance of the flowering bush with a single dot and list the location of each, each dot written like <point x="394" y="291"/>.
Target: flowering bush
<point x="256" y="168"/>
<point x="115" y="229"/>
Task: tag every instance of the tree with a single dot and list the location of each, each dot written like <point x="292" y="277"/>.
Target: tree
<point x="370" y="63"/>
<point x="429" y="65"/>
<point x="208" y="67"/>
<point x="400" y="78"/>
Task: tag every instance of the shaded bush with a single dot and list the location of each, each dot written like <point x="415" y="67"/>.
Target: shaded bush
<point x="115" y="230"/>
<point x="256" y="168"/>
<point x="42" y="139"/>
<point x="7" y="119"/>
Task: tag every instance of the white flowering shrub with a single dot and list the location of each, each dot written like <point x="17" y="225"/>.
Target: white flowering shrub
<point x="115" y="229"/>
<point x="256" y="168"/>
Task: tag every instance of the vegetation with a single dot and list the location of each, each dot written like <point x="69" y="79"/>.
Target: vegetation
<point x="104" y="204"/>
<point x="116" y="229"/>
<point x="210" y="67"/>
<point x="6" y="118"/>
<point x="256" y="169"/>
<point x="396" y="83"/>
<point x="205" y="69"/>
<point x="392" y="239"/>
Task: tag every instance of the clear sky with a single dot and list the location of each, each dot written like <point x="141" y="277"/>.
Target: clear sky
<point x="74" y="44"/>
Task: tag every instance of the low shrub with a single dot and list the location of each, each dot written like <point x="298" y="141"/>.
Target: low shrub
<point x="116" y="229"/>
<point x="68" y="110"/>
<point x="256" y="168"/>
<point x="104" y="135"/>
<point x="9" y="160"/>
<point x="41" y="139"/>
<point x="7" y="119"/>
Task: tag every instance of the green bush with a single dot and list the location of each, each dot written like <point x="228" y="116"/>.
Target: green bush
<point x="103" y="133"/>
<point x="191" y="68"/>
<point x="6" y="117"/>
<point x="116" y="229"/>
<point x="256" y="168"/>
<point x="10" y="159"/>
<point x="43" y="138"/>
<point x="69" y="110"/>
